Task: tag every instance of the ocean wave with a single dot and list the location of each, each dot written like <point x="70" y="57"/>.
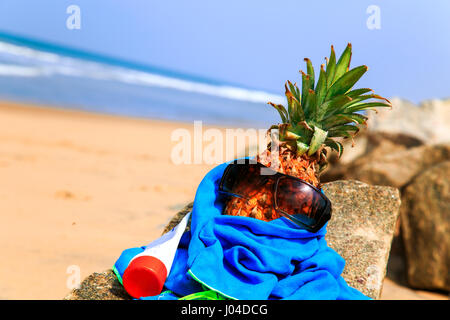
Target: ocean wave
<point x="37" y="63"/>
<point x="19" y="71"/>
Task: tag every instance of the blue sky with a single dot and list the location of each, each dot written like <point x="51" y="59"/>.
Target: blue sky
<point x="258" y="44"/>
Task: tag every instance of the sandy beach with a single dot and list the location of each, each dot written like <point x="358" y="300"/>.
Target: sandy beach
<point x="77" y="188"/>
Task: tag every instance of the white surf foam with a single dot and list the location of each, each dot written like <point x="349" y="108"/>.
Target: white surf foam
<point x="36" y="63"/>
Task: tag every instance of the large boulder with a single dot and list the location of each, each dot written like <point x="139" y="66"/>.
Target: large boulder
<point x="391" y="165"/>
<point x="398" y="146"/>
<point x="427" y="122"/>
<point x="360" y="230"/>
<point x="385" y="152"/>
<point x="419" y="255"/>
<point x="368" y="147"/>
<point x="425" y="226"/>
<point x="99" y="286"/>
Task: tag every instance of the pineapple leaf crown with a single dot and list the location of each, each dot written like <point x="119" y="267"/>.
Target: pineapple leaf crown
<point x="319" y="113"/>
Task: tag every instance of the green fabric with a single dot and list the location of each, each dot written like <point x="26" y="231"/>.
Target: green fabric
<point x="205" y="286"/>
<point x="204" y="295"/>
<point x="117" y="274"/>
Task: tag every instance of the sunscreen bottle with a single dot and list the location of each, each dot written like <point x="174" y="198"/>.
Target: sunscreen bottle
<point x="147" y="271"/>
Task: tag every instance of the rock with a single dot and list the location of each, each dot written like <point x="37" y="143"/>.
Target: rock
<point x="99" y="286"/>
<point x="427" y="122"/>
<point x="425" y="215"/>
<point x="360" y="230"/>
<point x="393" y="291"/>
<point x="389" y="142"/>
<point x="368" y="141"/>
<point x="178" y="217"/>
<point x="351" y="151"/>
<point x="385" y="167"/>
<point x="368" y="147"/>
<point x="398" y="146"/>
<point x="390" y="131"/>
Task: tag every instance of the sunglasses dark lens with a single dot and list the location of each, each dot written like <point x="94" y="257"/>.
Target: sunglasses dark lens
<point x="300" y="200"/>
<point x="244" y="180"/>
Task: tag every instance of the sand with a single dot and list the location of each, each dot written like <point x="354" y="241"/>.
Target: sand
<point x="77" y="188"/>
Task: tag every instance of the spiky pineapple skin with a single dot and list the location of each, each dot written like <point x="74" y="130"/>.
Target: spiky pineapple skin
<point x="300" y="166"/>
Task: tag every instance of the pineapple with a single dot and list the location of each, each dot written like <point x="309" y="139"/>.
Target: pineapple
<point x="316" y="118"/>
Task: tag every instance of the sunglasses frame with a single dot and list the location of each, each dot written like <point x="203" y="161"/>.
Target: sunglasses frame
<point x="324" y="216"/>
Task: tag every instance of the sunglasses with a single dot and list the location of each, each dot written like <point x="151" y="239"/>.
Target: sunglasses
<point x="293" y="198"/>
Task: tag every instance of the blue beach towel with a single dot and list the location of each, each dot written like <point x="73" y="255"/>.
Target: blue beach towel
<point x="249" y="259"/>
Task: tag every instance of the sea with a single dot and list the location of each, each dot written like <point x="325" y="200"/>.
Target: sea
<point x="41" y="73"/>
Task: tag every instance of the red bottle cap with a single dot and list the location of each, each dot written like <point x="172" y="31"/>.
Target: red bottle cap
<point x="144" y="276"/>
